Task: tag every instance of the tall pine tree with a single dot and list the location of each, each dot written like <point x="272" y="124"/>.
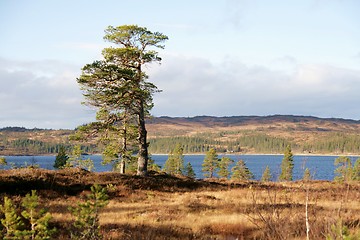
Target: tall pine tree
<point x="223" y="167"/>
<point x="189" y="171"/>
<point x="241" y="172"/>
<point x="266" y="176"/>
<point x="210" y="163"/>
<point x="287" y="165"/>
<point x="61" y="158"/>
<point x="118" y="86"/>
<point x="175" y="162"/>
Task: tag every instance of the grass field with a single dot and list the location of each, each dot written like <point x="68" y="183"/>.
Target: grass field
<point x="165" y="207"/>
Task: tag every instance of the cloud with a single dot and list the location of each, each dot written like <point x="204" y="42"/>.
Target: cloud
<point x="40" y="94"/>
<point x="45" y="93"/>
<point x="195" y="86"/>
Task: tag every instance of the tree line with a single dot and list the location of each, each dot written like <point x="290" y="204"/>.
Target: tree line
<point x="213" y="167"/>
<point x="34" y="147"/>
<point x="256" y="142"/>
<point x="201" y="143"/>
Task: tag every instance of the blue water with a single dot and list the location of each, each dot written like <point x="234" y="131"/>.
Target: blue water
<point x="321" y="167"/>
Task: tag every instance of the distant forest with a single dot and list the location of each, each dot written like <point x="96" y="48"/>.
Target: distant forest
<point x="257" y="143"/>
<point x="253" y="143"/>
<point x="35" y="147"/>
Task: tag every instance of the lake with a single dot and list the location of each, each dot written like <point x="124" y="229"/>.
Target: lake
<point x="321" y="167"/>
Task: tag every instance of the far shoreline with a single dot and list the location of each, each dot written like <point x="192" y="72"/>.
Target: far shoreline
<point x="192" y="154"/>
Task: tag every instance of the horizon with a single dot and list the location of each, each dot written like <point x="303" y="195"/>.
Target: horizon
<point x="199" y="116"/>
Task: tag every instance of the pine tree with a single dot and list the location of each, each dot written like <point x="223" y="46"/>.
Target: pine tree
<point x="241" y="172"/>
<point x="76" y="160"/>
<point x="307" y="175"/>
<point x="344" y="171"/>
<point x="189" y="171"/>
<point x="356" y="170"/>
<point x="210" y="163"/>
<point x="61" y="158"/>
<point x="223" y="166"/>
<point x="3" y="162"/>
<point x="38" y="218"/>
<point x="175" y="162"/>
<point x="266" y="176"/>
<point x="87" y="214"/>
<point x="287" y="165"/>
<point x="119" y="83"/>
<point x="152" y="166"/>
<point x="11" y="221"/>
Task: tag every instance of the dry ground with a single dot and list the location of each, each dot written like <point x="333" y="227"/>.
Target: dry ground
<point x="165" y="207"/>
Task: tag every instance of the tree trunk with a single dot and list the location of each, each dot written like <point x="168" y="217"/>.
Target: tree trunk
<point x="142" y="138"/>
<point x="122" y="166"/>
<point x="124" y="145"/>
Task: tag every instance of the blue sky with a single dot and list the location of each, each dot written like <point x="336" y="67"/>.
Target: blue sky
<point x="223" y="58"/>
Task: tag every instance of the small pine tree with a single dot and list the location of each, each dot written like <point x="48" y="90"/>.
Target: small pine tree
<point x="152" y="166"/>
<point x="266" y="176"/>
<point x="356" y="170"/>
<point x="344" y="171"/>
<point x="76" y="160"/>
<point x="61" y="158"/>
<point x="241" y="172"/>
<point x="287" y="165"/>
<point x="11" y="221"/>
<point x="210" y="163"/>
<point x="3" y="162"/>
<point x="223" y="166"/>
<point x="307" y="175"/>
<point x="38" y="218"/>
<point x="87" y="214"/>
<point x="175" y="162"/>
<point x="189" y="171"/>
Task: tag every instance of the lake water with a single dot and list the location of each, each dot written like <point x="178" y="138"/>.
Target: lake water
<point x="321" y="167"/>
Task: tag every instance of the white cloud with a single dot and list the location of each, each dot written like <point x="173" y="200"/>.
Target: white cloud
<point x="40" y="94"/>
<point x="45" y="93"/>
<point x="194" y="86"/>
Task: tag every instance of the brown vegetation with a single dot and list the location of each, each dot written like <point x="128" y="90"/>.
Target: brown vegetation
<point x="165" y="207"/>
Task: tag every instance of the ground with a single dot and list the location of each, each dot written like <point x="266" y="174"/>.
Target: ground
<point x="160" y="206"/>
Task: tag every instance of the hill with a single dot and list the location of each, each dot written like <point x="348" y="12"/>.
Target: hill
<point x="235" y="134"/>
<point x="256" y="134"/>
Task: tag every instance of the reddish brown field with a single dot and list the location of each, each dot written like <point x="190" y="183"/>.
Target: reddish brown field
<point x="165" y="207"/>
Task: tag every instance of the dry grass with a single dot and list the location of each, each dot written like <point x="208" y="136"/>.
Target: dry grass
<point x="164" y="207"/>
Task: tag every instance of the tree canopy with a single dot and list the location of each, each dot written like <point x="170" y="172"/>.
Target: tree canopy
<point x="118" y="87"/>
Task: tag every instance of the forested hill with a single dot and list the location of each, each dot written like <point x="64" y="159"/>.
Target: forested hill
<point x="236" y="134"/>
<point x="256" y="134"/>
<point x="210" y="121"/>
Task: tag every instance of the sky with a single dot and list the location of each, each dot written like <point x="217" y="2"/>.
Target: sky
<point x="223" y="57"/>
